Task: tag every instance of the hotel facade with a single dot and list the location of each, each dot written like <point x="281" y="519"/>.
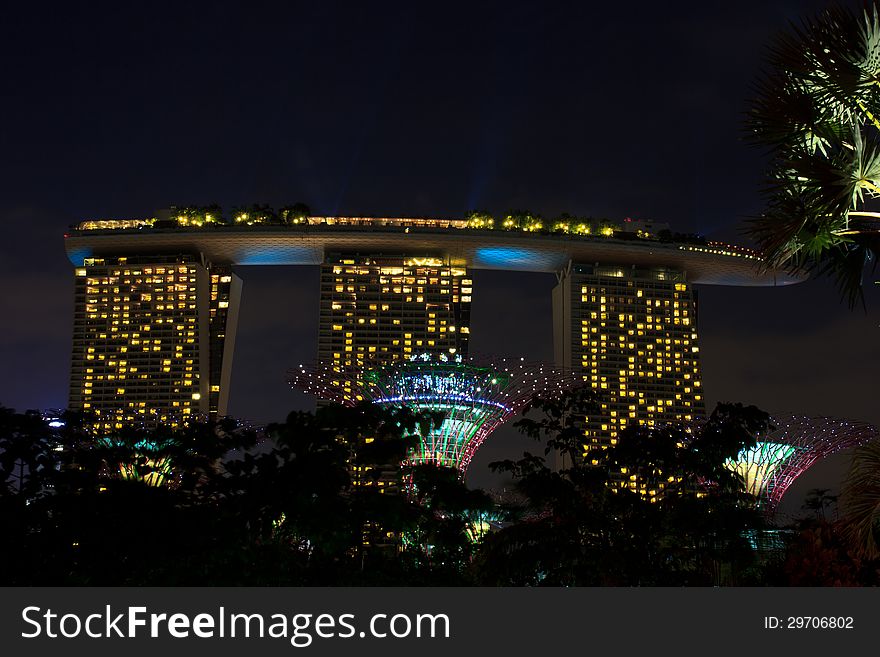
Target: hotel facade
<point x="631" y="333"/>
<point x="379" y="309"/>
<point x="152" y="339"/>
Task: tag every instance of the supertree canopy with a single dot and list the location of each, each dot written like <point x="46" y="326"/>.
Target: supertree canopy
<point x="144" y="459"/>
<point x="770" y="467"/>
<point x="475" y="398"/>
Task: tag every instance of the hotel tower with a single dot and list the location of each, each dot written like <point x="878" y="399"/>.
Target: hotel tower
<point x="152" y="339"/>
<point x="631" y="333"/>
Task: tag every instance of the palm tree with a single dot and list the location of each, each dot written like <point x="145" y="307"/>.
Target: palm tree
<point x="25" y="453"/>
<point x="817" y="111"/>
<point x="818" y="500"/>
<point x="861" y="502"/>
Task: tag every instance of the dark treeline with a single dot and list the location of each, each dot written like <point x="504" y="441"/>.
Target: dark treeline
<point x="312" y="501"/>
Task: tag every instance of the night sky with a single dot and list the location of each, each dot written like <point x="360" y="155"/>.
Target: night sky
<point x="626" y="110"/>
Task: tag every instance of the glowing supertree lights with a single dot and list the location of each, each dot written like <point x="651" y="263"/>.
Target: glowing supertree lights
<point x="780" y="457"/>
<point x="758" y="464"/>
<point x="475" y="398"/>
<point x="143" y="460"/>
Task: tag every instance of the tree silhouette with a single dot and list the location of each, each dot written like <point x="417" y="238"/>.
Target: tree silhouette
<point x="320" y="499"/>
<point x="818" y="500"/>
<point x="583" y="524"/>
<point x="25" y="454"/>
<point x="294" y="214"/>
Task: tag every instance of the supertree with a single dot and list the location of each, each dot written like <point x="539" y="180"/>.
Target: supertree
<point x="474" y="397"/>
<point x="785" y="453"/>
<point x="147" y="460"/>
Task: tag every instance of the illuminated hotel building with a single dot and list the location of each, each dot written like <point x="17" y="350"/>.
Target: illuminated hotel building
<point x="631" y="333"/>
<point x="156" y="304"/>
<point x="377" y="309"/>
<point x="386" y="308"/>
<point x="152" y="339"/>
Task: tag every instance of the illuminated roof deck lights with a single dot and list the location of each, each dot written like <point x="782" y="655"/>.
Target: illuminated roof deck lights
<point x="452" y="241"/>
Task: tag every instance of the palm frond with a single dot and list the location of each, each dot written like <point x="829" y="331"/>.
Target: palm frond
<point x="861" y="502"/>
<point x="818" y="112"/>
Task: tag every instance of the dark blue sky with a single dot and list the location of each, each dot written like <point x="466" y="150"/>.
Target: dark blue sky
<point x="620" y="109"/>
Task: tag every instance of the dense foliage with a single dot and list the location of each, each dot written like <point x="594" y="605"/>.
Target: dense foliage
<point x="212" y="504"/>
<point x="588" y="524"/>
<point x="318" y="500"/>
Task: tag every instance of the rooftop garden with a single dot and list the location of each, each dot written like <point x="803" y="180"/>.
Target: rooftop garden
<point x="300" y="214"/>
